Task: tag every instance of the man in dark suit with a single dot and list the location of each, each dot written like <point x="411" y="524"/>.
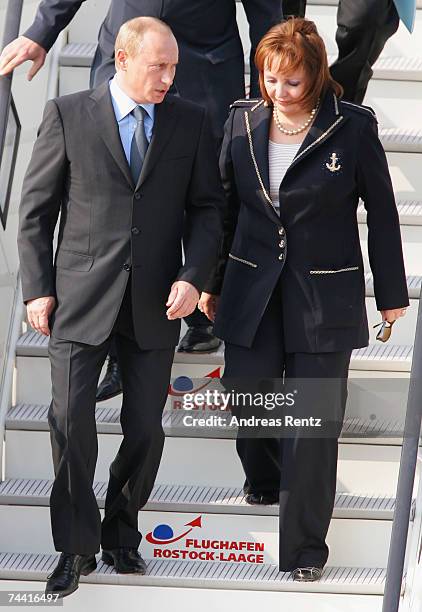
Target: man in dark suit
<point x="363" y="28"/>
<point x="124" y="205"/>
<point x="210" y="73"/>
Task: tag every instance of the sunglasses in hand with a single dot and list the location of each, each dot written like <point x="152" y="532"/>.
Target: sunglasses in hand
<point x="384" y="332"/>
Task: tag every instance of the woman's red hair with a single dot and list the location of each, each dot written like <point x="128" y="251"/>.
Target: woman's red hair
<point x="294" y="44"/>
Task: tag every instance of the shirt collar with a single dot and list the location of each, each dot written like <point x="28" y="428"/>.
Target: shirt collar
<point x="123" y="104"/>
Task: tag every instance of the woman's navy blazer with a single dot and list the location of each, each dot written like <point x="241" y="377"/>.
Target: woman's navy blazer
<point x="313" y="245"/>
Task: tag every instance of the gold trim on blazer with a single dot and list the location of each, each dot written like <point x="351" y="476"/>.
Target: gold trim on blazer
<point x="299" y="155"/>
<point x="244" y="261"/>
<point x="352" y="268"/>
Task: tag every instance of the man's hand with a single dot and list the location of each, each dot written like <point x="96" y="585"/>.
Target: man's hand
<point x="208" y="305"/>
<point x="38" y="312"/>
<point x="393" y="315"/>
<point x="182" y="300"/>
<point x="20" y="50"/>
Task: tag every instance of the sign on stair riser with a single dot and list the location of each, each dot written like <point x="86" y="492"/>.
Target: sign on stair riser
<point x="239" y="538"/>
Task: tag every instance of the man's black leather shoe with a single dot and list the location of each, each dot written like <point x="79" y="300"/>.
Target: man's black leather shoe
<point x="65" y="578"/>
<point x="125" y="560"/>
<point x="199" y="340"/>
<point x="263" y="499"/>
<point x="111" y="385"/>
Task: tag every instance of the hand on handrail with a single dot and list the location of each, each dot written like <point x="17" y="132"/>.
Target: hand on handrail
<point x="21" y="50"/>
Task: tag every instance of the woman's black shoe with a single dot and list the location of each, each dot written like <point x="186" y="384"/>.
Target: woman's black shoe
<point x="307" y="574"/>
<point x="263" y="499"/>
<point x="65" y="578"/>
<point x="125" y="560"/>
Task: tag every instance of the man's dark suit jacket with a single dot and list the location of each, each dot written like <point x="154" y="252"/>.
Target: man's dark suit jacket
<point x="313" y="246"/>
<point x="211" y="66"/>
<point x="110" y="229"/>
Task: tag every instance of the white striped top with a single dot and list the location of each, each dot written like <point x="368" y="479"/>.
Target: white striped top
<point x="280" y="156"/>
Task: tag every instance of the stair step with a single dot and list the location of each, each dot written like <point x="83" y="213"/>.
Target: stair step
<point x="201" y="499"/>
<point x="395" y="68"/>
<point x="411" y="238"/>
<point x="81" y="54"/>
<point x="410" y="213"/>
<point x="217" y="575"/>
<point x="381" y="357"/>
<point x="414" y="283"/>
<point x="187" y="461"/>
<point x="404" y="140"/>
<point x="33" y="417"/>
<point x="193" y="533"/>
<point x="109" y="597"/>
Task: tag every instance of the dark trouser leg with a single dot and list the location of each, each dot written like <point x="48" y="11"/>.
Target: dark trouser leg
<point x="308" y="481"/>
<point x="260" y="457"/>
<point x="102" y="68"/>
<point x="364" y="26"/>
<point x="75" y="517"/>
<point x="112" y="351"/>
<point x="294" y="7"/>
<point x="197" y="319"/>
<point x="146" y="376"/>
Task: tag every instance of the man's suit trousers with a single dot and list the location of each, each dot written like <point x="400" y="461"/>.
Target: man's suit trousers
<point x="302" y="468"/>
<point x="75" y="369"/>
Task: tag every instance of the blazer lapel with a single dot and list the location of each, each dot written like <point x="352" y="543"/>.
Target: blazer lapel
<point x="257" y="125"/>
<point x="104" y="118"/>
<point x="327" y="121"/>
<point x="164" y="124"/>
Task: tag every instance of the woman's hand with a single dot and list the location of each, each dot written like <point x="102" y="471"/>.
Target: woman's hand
<point x="208" y="304"/>
<point x="393" y="315"/>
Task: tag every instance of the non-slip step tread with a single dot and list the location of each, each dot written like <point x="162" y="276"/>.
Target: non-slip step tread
<point x="33" y="417"/>
<point x="399" y="139"/>
<point x="33" y="344"/>
<point x="410" y="212"/>
<point x="413" y="282"/>
<point x="200" y="498"/>
<point x="218" y="574"/>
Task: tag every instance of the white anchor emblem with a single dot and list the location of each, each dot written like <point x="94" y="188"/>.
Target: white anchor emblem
<point x="333" y="166"/>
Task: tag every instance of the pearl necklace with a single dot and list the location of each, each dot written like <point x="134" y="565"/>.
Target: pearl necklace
<point x="298" y="130"/>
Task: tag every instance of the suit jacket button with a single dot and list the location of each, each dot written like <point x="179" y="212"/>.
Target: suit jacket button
<point x="281" y="256"/>
<point x="127" y="267"/>
<point x="281" y="244"/>
<point x="137" y="196"/>
<point x="135" y="231"/>
<point x="281" y="231"/>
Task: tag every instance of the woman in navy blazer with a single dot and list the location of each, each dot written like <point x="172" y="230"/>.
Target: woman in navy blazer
<point x="288" y="294"/>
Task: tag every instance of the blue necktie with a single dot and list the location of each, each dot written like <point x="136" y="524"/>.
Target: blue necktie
<point x="139" y="144"/>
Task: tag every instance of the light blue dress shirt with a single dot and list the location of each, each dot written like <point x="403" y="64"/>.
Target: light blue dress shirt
<point x="123" y="107"/>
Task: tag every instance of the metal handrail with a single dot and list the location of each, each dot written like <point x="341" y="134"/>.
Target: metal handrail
<point x="408" y="461"/>
<point x="11" y="31"/>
